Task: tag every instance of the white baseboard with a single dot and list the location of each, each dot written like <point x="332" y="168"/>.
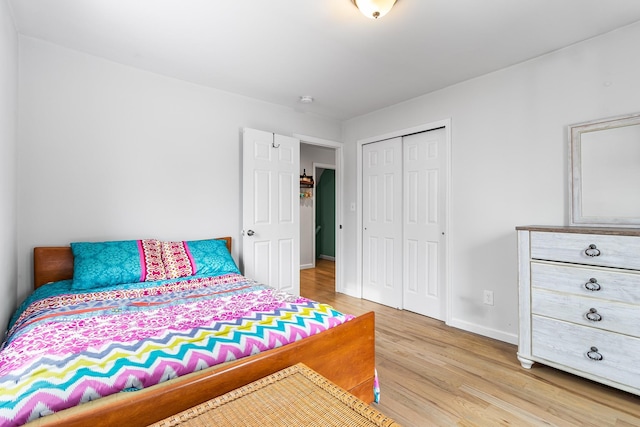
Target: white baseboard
<point x="305" y="266"/>
<point x="327" y="257"/>
<point x="487" y="332"/>
<point x="350" y="292"/>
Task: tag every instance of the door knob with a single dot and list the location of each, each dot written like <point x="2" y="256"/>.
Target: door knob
<point x="250" y="232"/>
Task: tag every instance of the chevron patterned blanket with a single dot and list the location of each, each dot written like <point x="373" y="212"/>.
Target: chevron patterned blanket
<point x="69" y="348"/>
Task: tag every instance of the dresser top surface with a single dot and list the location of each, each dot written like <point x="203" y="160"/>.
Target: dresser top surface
<point x="614" y="231"/>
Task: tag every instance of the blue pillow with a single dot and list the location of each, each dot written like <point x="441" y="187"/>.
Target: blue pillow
<point x="211" y="257"/>
<point x="97" y="264"/>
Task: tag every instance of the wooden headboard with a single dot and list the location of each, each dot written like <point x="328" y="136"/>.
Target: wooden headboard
<point x="54" y="263"/>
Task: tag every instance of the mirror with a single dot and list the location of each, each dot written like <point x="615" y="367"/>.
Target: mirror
<point x="604" y="172"/>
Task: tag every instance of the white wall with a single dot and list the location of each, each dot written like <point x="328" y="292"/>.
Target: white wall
<point x="509" y="161"/>
<point x="111" y="152"/>
<point x="8" y="141"/>
<point x="308" y="155"/>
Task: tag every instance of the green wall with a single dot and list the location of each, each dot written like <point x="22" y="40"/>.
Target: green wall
<point x="326" y="214"/>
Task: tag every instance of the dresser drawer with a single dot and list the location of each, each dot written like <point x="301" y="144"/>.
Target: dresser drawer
<point x="613" y="316"/>
<point x="608" y="250"/>
<point x="568" y="344"/>
<point x="614" y="285"/>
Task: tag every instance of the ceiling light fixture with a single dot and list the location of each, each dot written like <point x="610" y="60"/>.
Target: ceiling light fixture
<point x="306" y="99"/>
<point x="374" y="9"/>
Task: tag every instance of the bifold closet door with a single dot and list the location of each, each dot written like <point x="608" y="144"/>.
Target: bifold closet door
<point x="404" y="222"/>
<point x="424" y="184"/>
<point x="382" y="222"/>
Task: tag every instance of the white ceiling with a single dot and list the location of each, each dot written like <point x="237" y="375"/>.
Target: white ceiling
<point x="278" y="50"/>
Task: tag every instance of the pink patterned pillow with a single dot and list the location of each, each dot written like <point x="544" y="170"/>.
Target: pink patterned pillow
<point x="177" y="260"/>
<point x="151" y="256"/>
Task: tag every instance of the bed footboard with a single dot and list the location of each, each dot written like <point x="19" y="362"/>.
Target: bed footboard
<point x="344" y="354"/>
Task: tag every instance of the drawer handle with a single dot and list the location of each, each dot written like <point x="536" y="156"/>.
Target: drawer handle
<point x="593" y="315"/>
<point x="592" y="285"/>
<point x="592" y="250"/>
<point x="594" y="355"/>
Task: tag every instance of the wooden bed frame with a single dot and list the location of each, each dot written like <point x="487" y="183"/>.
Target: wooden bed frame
<point x="344" y="354"/>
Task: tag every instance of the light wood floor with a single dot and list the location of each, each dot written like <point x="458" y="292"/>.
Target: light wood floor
<point x="434" y="375"/>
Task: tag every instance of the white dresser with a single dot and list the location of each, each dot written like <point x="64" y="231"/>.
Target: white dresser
<point x="579" y="291"/>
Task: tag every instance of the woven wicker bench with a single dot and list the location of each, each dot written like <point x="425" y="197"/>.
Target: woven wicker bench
<point x="295" y="396"/>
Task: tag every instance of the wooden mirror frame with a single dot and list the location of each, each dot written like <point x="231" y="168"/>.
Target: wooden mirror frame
<point x="576" y="197"/>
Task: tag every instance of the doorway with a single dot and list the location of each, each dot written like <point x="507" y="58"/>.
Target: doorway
<point x="316" y="157"/>
<point x="324" y="246"/>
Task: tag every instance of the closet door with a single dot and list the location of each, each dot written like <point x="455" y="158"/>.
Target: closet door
<point x="382" y="222"/>
<point x="424" y="222"/>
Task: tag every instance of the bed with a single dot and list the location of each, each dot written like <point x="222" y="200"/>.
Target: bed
<point x="342" y="350"/>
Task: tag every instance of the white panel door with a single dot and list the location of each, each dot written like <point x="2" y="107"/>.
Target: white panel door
<point x="424" y="222"/>
<point x="382" y="222"/>
<point x="271" y="209"/>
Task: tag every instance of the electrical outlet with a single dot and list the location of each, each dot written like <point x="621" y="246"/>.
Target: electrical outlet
<point x="488" y="297"/>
